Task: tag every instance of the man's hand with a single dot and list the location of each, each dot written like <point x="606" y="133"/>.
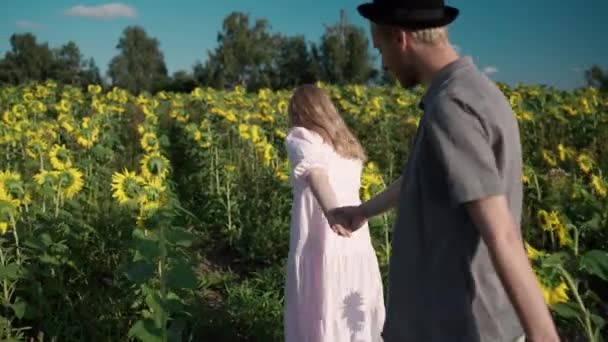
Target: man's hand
<point x="349" y="218"/>
<point x="338" y="223"/>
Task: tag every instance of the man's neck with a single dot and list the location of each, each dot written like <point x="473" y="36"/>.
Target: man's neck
<point x="433" y="60"/>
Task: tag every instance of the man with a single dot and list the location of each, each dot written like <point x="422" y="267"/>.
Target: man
<point x="456" y="243"/>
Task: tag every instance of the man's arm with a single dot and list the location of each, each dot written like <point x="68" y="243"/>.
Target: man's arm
<point x="382" y="202"/>
<point x="492" y="217"/>
<point x="354" y="217"/>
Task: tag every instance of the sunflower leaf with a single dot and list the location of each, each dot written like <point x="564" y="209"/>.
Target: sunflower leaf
<point x="140" y="271"/>
<point x="595" y="262"/>
<point x="146" y="330"/>
<point x="567" y="310"/>
<point x="179" y="236"/>
<point x="182" y="276"/>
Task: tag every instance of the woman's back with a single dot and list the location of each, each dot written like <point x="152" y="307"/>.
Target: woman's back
<point x="309" y="226"/>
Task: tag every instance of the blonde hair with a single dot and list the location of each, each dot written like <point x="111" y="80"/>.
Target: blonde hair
<point x="312" y="109"/>
<point x="431" y="36"/>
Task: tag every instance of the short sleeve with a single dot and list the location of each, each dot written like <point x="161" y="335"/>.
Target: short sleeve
<point x="305" y="151"/>
<point x="460" y="141"/>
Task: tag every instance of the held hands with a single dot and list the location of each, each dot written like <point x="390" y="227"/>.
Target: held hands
<point x="345" y="220"/>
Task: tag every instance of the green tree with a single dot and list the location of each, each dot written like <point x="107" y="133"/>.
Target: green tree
<point x="344" y="54"/>
<point x="182" y="81"/>
<point x="244" y="54"/>
<point x="294" y="63"/>
<point x="70" y="66"/>
<point x="140" y="66"/>
<point x="597" y="77"/>
<point x="92" y="74"/>
<point x="26" y="61"/>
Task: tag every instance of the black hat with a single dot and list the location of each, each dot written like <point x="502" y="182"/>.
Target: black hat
<point x="409" y="14"/>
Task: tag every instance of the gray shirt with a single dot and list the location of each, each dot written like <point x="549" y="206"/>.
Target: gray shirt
<point x="442" y="283"/>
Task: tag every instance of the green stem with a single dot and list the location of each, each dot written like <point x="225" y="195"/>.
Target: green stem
<point x="57" y="202"/>
<point x="576" y="237"/>
<point x="163" y="281"/>
<point x="387" y="244"/>
<point x="18" y="249"/>
<point x="538" y="192"/>
<point x="5" y="282"/>
<point x="228" y="206"/>
<point x="217" y="170"/>
<point x="588" y="326"/>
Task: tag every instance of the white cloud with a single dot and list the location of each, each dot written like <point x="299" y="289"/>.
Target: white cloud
<point x="577" y="69"/>
<point x="27" y="24"/>
<point x="107" y="11"/>
<point x="490" y="70"/>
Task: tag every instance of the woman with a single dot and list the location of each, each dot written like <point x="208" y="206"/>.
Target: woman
<point x="334" y="288"/>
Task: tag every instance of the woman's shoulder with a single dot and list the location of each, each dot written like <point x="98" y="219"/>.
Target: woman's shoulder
<point x="300" y="134"/>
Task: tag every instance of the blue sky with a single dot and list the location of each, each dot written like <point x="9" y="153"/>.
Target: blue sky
<point x="532" y="42"/>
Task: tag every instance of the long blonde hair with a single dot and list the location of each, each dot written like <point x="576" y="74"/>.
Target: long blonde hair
<point x="312" y="109"/>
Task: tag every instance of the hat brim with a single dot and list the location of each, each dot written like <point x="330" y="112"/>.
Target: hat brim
<point x="378" y="15"/>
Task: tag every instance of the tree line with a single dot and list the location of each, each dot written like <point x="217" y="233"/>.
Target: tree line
<point x="247" y="54"/>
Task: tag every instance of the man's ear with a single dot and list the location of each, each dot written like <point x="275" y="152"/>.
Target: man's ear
<point x="402" y="37"/>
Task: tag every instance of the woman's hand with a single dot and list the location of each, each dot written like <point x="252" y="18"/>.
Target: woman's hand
<point x="347" y="219"/>
<point x="338" y="223"/>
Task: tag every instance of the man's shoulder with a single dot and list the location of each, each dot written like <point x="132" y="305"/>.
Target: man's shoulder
<point x="474" y="93"/>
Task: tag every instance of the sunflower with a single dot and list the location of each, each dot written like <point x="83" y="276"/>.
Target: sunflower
<point x="36" y="147"/>
<point x="154" y="165"/>
<point x="555" y="295"/>
<point x="152" y="194"/>
<point x="149" y="142"/>
<point x="19" y="110"/>
<point x="11" y="183"/>
<point x="70" y="182"/>
<point x="150" y="201"/>
<point x="548" y="221"/>
<point x="370" y="178"/>
<point x="88" y="137"/>
<point x="549" y="157"/>
<point x="282" y="172"/>
<point x="98" y="106"/>
<point x="244" y="131"/>
<point x="280" y="133"/>
<point x="282" y="107"/>
<point x="563" y="235"/>
<point x="533" y="253"/>
<point x="38" y="107"/>
<point x="64" y="106"/>
<point x="10" y="117"/>
<point x="8" y="204"/>
<point x="67" y="122"/>
<point x="126" y="186"/>
<point x="599" y="187"/>
<point x="585" y="163"/>
<point x="94" y="89"/>
<point x="46" y="178"/>
<point x="60" y="157"/>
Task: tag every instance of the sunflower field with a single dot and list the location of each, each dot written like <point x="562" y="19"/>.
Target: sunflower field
<point x="166" y="217"/>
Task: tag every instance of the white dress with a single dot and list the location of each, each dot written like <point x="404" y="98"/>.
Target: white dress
<point x="333" y="289"/>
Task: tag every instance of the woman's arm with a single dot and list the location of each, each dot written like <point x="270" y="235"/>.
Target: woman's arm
<point x="326" y="197"/>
